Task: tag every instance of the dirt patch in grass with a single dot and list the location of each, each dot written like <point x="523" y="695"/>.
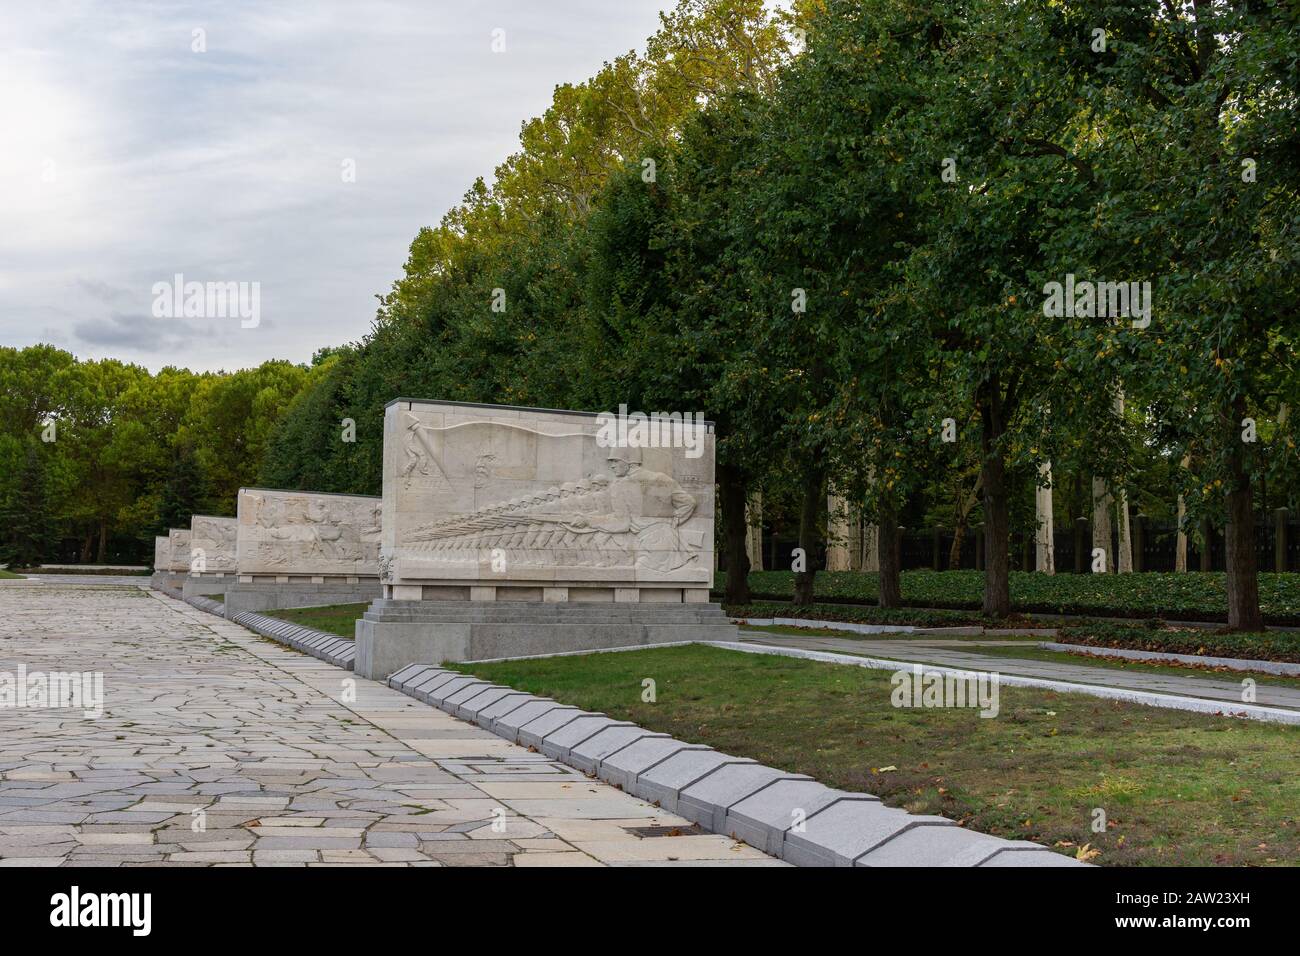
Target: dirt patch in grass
<point x="1177" y="788"/>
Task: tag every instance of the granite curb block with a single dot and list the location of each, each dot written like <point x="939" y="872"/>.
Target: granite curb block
<point x="205" y="604"/>
<point x="330" y="648"/>
<point x="787" y="815"/>
<point x="1280" y="668"/>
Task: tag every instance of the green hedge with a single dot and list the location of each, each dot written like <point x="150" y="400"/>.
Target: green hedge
<point x="1197" y="596"/>
<point x="866" y="614"/>
<point x="1270" y="646"/>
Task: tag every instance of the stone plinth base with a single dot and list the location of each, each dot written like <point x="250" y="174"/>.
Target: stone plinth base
<point x="208" y="583"/>
<point x="269" y="595"/>
<point x="393" y="634"/>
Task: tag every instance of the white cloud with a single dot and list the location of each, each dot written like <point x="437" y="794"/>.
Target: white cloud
<point x="130" y="158"/>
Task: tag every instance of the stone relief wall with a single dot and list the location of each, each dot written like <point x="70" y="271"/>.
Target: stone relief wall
<point x="179" y="550"/>
<point x="500" y="496"/>
<point x="212" y="544"/>
<point x="162" y="553"/>
<point x="301" y="533"/>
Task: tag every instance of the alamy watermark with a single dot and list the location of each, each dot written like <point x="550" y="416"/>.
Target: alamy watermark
<point x="656" y="430"/>
<point x="57" y="690"/>
<point x="934" y="688"/>
<point x="1102" y="299"/>
<point x="74" y="908"/>
<point x="179" y="299"/>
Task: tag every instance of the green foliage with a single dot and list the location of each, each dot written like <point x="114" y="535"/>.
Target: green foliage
<point x="1271" y="646"/>
<point x="1192" y="596"/>
<point x="97" y="457"/>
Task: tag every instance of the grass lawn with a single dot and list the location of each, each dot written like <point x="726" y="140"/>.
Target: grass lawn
<point x="8" y="575"/>
<point x="1200" y="596"/>
<point x="1177" y="788"/>
<point x="332" y="618"/>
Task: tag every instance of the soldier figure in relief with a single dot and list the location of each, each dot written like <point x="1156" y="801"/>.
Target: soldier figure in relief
<point x="650" y="505"/>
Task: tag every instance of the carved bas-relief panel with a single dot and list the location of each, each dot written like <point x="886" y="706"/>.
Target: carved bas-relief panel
<point x="178" y="557"/>
<point x="293" y="534"/>
<point x="161" y="553"/>
<point x="212" y="545"/>
<point x="533" y="505"/>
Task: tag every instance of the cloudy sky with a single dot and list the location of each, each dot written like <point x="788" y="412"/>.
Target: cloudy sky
<point x="129" y="157"/>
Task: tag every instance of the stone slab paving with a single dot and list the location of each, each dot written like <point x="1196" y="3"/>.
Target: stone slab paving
<point x="1226" y="689"/>
<point x="220" y="748"/>
<point x="98" y="580"/>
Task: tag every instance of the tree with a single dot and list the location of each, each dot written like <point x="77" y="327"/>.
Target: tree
<point x="28" y="532"/>
<point x="1198" y="145"/>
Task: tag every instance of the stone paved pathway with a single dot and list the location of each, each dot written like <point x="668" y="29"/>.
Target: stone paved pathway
<point x="946" y="653"/>
<point x="206" y="721"/>
<point x="99" y="580"/>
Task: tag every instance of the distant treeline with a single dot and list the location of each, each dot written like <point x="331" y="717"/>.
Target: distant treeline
<point x="97" y="457"/>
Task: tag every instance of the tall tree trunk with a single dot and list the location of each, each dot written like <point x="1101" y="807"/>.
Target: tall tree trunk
<point x="102" y="557"/>
<point x="1044" y="533"/>
<point x="1180" y="552"/>
<point x="1123" y="526"/>
<point x="870" y="561"/>
<point x="1102" y="509"/>
<point x="1239" y="538"/>
<point x="732" y="487"/>
<point x="958" y="539"/>
<point x="838" y="554"/>
<point x="965" y="504"/>
<point x="997" y="521"/>
<point x="754" y="531"/>
<point x="889" y="589"/>
<point x="871" y="548"/>
<point x="1124" y="534"/>
<point x="809" y="513"/>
